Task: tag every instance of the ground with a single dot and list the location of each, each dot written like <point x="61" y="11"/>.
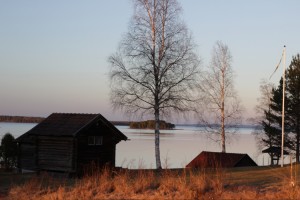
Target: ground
<point x="241" y="183"/>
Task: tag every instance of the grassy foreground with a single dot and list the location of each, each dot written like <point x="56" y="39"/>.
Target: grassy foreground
<point x="239" y="183"/>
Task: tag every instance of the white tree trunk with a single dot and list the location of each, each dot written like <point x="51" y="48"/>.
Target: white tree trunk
<point x="223" y="129"/>
<point x="223" y="110"/>
<point x="157" y="142"/>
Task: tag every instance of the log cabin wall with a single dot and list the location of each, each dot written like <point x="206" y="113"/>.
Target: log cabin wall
<point x="55" y="153"/>
<point x="99" y="154"/>
<point x="28" y="157"/>
<point x="27" y="153"/>
<point x="62" y="143"/>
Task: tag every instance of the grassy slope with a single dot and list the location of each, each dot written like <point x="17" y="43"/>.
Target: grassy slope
<point x="263" y="177"/>
<point x="242" y="183"/>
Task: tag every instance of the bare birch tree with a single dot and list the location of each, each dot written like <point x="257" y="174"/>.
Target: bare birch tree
<point x="264" y="100"/>
<point x="155" y="69"/>
<point x="221" y="110"/>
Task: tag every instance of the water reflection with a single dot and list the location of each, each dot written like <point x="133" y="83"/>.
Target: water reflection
<point x="178" y="147"/>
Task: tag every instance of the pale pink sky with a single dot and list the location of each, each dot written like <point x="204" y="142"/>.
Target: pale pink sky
<point x="53" y="54"/>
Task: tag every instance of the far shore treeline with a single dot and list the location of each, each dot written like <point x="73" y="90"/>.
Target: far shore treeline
<point x="20" y="119"/>
<point x="27" y="119"/>
<point x="136" y="125"/>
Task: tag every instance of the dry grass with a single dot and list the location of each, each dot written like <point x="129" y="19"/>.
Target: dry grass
<point x="243" y="183"/>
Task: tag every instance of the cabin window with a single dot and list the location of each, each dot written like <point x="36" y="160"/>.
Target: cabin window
<point x="95" y="140"/>
<point x="98" y="140"/>
<point x="91" y="140"/>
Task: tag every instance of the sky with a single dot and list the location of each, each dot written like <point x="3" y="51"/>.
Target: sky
<point x="53" y="54"/>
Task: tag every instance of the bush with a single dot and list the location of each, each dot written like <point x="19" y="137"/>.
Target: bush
<point x="8" y="151"/>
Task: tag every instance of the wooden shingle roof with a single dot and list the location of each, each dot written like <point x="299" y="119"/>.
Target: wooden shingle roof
<point x="218" y="159"/>
<point x="70" y="124"/>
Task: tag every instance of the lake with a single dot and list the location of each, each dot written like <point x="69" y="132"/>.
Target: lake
<point x="178" y="147"/>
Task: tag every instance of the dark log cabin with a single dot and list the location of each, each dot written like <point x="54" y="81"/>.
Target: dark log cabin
<point x="68" y="142"/>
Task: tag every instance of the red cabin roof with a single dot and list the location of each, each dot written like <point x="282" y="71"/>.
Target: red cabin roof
<point x="208" y="159"/>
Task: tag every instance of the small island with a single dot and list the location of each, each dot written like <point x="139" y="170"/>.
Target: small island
<point x="150" y="124"/>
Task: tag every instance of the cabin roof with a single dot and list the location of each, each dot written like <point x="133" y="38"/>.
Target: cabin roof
<point x="70" y="124"/>
<point x="276" y="150"/>
<point x="208" y="159"/>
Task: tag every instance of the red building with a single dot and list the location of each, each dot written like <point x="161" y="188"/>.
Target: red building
<point x="208" y="159"/>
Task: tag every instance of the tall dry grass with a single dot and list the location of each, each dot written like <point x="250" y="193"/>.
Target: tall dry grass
<point x="149" y="184"/>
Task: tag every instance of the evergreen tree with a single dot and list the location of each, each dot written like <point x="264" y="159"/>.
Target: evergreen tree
<point x="293" y="94"/>
<point x="272" y="124"/>
<point x="271" y="137"/>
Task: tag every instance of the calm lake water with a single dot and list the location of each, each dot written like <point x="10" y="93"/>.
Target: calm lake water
<point x="178" y="147"/>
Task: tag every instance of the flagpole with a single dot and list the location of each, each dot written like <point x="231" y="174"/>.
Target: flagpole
<point x="283" y="110"/>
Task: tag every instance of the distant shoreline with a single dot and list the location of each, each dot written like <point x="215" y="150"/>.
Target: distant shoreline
<point x="20" y="119"/>
<point x="26" y="119"/>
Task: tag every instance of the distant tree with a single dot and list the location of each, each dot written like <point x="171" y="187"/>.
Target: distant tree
<point x="8" y="151"/>
<point x="221" y="106"/>
<point x="266" y="93"/>
<point x="155" y="70"/>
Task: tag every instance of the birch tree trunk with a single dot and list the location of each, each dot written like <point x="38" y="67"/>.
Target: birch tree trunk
<point x="223" y="141"/>
<point x="157" y="140"/>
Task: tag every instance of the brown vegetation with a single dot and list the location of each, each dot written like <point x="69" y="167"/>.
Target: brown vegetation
<point x="243" y="183"/>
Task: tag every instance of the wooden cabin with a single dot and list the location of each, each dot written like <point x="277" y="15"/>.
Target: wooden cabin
<point x="275" y="154"/>
<point x="68" y="142"/>
<point x="208" y="159"/>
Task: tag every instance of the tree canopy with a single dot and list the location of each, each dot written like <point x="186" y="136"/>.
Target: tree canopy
<point x="155" y="70"/>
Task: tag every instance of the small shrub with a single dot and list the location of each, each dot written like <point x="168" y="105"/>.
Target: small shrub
<point x="8" y="151"/>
